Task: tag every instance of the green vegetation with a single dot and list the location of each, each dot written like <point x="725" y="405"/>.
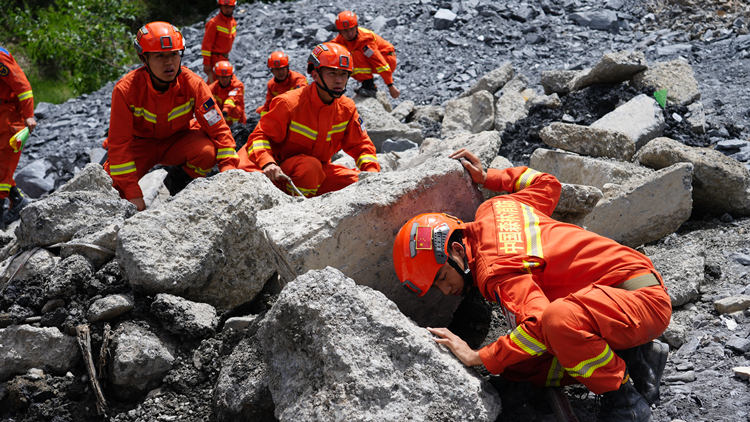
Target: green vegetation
<point x="71" y="47"/>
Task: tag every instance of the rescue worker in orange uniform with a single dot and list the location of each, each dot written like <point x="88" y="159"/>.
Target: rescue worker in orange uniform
<point x="229" y="93"/>
<point x="371" y="53"/>
<point x="283" y="79"/>
<point x="583" y="308"/>
<point x="293" y="143"/>
<point x="150" y="123"/>
<point x="16" y="115"/>
<point x="218" y="37"/>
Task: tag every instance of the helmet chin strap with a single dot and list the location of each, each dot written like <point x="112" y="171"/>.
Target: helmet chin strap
<point x="331" y="92"/>
<point x="464" y="272"/>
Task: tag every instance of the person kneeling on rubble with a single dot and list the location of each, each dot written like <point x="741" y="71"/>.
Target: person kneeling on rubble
<point x="294" y="142"/>
<point x="582" y="308"/>
<point x="152" y="119"/>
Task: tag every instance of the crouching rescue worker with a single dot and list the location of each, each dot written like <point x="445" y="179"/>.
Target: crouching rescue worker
<point x="16" y="122"/>
<point x="293" y="143"/>
<point x="283" y="79"/>
<point x="150" y="121"/>
<point x="229" y="93"/>
<point x="221" y="30"/>
<point x="372" y="54"/>
<point x="583" y="308"/>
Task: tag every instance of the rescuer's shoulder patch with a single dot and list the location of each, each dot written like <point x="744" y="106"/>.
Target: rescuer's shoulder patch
<point x="208" y="105"/>
<point x="212" y="117"/>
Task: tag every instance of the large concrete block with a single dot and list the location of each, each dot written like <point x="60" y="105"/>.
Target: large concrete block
<point x="470" y="114"/>
<point x="203" y="244"/>
<point x="353" y="229"/>
<point x="613" y="67"/>
<point x="484" y="145"/>
<point x="580" y="170"/>
<point x="492" y="81"/>
<point x="511" y="106"/>
<point x="588" y="140"/>
<point x="23" y="347"/>
<point x="381" y="124"/>
<point x="328" y="340"/>
<point x="641" y="119"/>
<point x="576" y="202"/>
<point x="721" y="184"/>
<point x="644" y="209"/>
<point x="676" y="77"/>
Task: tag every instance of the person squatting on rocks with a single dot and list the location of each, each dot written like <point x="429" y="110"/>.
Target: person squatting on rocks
<point x="582" y="307"/>
<point x="16" y="123"/>
<point x="218" y="37"/>
<point x="152" y="122"/>
<point x="295" y="141"/>
<point x="283" y="79"/>
<point x="371" y="53"/>
<point x="229" y="93"/>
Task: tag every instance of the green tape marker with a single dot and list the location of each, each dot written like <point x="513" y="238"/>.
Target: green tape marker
<point x="661" y="97"/>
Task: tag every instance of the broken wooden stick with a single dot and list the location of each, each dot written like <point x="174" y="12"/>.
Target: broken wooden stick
<point x="84" y="342"/>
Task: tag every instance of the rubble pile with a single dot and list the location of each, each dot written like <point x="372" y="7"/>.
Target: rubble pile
<point x="233" y="301"/>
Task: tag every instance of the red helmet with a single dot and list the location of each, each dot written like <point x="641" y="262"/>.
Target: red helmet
<point x="278" y="60"/>
<point x="223" y="68"/>
<point x="421" y="248"/>
<point x="155" y="37"/>
<point x="346" y="20"/>
<point x="227" y="2"/>
<point x="330" y="54"/>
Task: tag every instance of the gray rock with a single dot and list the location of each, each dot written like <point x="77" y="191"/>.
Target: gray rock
<point x="429" y="112"/>
<point x="682" y="268"/>
<point x="184" y="317"/>
<point x="676" y="77"/>
<point x="444" y="18"/>
<point x="69" y="275"/>
<point x="492" y="81"/>
<point x="588" y="140"/>
<point x="511" y="106"/>
<point x="240" y="323"/>
<point x="25" y="347"/>
<point x="721" y="184"/>
<point x="354" y="228"/>
<point x="190" y="246"/>
<point x="560" y="81"/>
<point x="696" y="117"/>
<point x="97" y="244"/>
<point x="576" y="202"/>
<point x="613" y="67"/>
<point x="731" y="304"/>
<point x="241" y="392"/>
<point x="640" y="119"/>
<point x="59" y="217"/>
<point x="739" y="345"/>
<point x="470" y="114"/>
<point x="110" y="307"/>
<point x="397" y="145"/>
<point x="604" y="20"/>
<point x="580" y="170"/>
<point x="644" y="210"/>
<point x="39" y="263"/>
<point x="403" y="110"/>
<point x="139" y="359"/>
<point x="327" y="340"/>
<point x="92" y="178"/>
<point x="36" y="178"/>
<point x="484" y="145"/>
<point x="382" y="125"/>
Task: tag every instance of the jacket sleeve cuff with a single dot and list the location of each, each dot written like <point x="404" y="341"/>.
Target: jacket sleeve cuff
<point x="229" y="163"/>
<point x="497" y="181"/>
<point x="132" y="191"/>
<point x="486" y="354"/>
<point x="387" y="78"/>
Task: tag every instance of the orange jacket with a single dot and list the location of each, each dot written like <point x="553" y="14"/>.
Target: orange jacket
<point x="298" y="122"/>
<point x="231" y="99"/>
<point x="15" y="89"/>
<point x="523" y="259"/>
<point x="140" y="111"/>
<point x="219" y="37"/>
<point x="293" y="81"/>
<point x="367" y="51"/>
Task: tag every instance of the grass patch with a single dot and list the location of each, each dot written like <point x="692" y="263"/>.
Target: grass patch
<point x="48" y="90"/>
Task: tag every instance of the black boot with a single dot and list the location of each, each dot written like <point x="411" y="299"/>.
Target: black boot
<point x="176" y="179"/>
<point x="624" y="405"/>
<point x="2" y="213"/>
<point x="646" y="365"/>
<point x="367" y="88"/>
<point x="17" y="201"/>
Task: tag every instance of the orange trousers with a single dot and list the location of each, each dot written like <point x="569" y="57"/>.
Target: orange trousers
<point x="309" y="175"/>
<point x="192" y="149"/>
<point x="390" y="59"/>
<point x="584" y="330"/>
<point x="10" y="123"/>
